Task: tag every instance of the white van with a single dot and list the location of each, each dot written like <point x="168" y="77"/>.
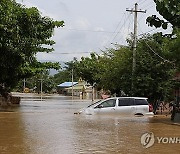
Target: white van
<point x="120" y="105"/>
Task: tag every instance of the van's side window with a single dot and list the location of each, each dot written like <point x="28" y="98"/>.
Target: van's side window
<point x="141" y="102"/>
<point x="126" y="102"/>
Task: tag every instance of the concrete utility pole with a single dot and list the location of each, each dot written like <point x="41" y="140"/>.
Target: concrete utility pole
<point x="72" y="83"/>
<point x="24" y="85"/>
<point x="41" y="88"/>
<point x="93" y="92"/>
<point x="135" y="11"/>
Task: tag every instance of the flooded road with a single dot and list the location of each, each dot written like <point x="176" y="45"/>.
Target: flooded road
<point x="51" y="127"/>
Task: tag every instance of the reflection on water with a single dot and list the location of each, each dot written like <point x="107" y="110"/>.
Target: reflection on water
<point x="51" y="127"/>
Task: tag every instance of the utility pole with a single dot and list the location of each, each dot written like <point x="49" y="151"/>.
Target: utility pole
<point x="72" y="83"/>
<point x="93" y="92"/>
<point x="135" y="11"/>
<point x="41" y="85"/>
<point x="24" y="85"/>
<point x="41" y="88"/>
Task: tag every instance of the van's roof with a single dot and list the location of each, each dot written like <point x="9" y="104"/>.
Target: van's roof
<point x="131" y="97"/>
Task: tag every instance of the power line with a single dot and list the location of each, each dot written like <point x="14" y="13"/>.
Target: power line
<point x="108" y="42"/>
<point x="148" y="4"/>
<point x="66" y="53"/>
<point x="119" y="24"/>
<point x="130" y="23"/>
<point x="95" y="31"/>
<point x="116" y="31"/>
<point x="139" y="2"/>
<point x="150" y="7"/>
<point x="129" y="29"/>
<point x="147" y="31"/>
<point x="125" y="20"/>
<point x="155" y="53"/>
<point x="142" y="2"/>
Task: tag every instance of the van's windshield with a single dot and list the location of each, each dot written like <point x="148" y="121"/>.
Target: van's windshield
<point x="95" y="103"/>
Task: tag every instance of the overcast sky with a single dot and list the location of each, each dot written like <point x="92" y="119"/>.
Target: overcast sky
<point x="90" y="25"/>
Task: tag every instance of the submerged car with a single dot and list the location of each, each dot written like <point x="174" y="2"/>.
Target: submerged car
<point x="120" y="106"/>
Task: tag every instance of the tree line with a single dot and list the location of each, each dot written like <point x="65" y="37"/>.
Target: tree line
<point x="157" y="61"/>
<point x="24" y="33"/>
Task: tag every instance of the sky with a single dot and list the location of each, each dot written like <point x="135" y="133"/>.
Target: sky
<point x="91" y="25"/>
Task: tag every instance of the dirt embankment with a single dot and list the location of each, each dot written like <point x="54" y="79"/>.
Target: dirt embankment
<point x="9" y="101"/>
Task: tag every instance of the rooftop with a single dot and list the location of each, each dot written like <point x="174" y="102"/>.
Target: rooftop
<point x="67" y="84"/>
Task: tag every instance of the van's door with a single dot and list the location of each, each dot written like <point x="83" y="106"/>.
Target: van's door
<point x="141" y="106"/>
<point x="107" y="106"/>
<point x="126" y="106"/>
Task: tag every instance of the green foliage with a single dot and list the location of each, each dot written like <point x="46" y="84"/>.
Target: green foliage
<point x="24" y="32"/>
<point x="173" y="48"/>
<point x="116" y="75"/>
<point x="65" y="75"/>
<point x="170" y="10"/>
<point x="34" y="83"/>
<point x="88" y="68"/>
<point x="153" y="72"/>
<point x="113" y="70"/>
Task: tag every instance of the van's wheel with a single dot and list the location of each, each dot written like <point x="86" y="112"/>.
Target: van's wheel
<point x="139" y="114"/>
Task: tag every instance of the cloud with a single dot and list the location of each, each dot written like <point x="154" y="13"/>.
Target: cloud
<point x="85" y="25"/>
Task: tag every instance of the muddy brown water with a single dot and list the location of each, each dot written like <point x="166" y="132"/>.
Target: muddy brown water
<point x="49" y="126"/>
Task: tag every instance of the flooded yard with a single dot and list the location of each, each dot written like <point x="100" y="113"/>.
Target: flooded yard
<point x="49" y="126"/>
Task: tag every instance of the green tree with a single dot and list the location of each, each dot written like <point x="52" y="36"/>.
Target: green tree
<point x="34" y="83"/>
<point x="116" y="64"/>
<point x="113" y="70"/>
<point x="170" y="11"/>
<point x="65" y="74"/>
<point x="88" y="68"/>
<point x="153" y="71"/>
<point x="24" y="32"/>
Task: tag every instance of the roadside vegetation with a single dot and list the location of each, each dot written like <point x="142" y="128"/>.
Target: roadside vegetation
<point x="157" y="61"/>
<point x="24" y="33"/>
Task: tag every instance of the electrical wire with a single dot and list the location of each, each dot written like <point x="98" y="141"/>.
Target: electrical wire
<point x="139" y="1"/>
<point x="66" y="53"/>
<point x="95" y="31"/>
<point x="155" y="53"/>
<point x="147" y="5"/>
<point x="119" y="31"/>
<point x="147" y="32"/>
<point x="115" y="31"/>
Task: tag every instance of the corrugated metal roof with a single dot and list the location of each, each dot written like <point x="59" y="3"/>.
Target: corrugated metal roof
<point x="67" y="84"/>
<point x="77" y="87"/>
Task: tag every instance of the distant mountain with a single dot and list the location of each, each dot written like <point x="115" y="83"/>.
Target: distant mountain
<point x="53" y="71"/>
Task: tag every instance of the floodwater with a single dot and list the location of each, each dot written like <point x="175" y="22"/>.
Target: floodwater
<point x="49" y="126"/>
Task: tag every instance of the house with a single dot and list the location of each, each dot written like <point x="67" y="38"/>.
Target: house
<point x="83" y="90"/>
<point x="61" y="88"/>
<point x="78" y="89"/>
